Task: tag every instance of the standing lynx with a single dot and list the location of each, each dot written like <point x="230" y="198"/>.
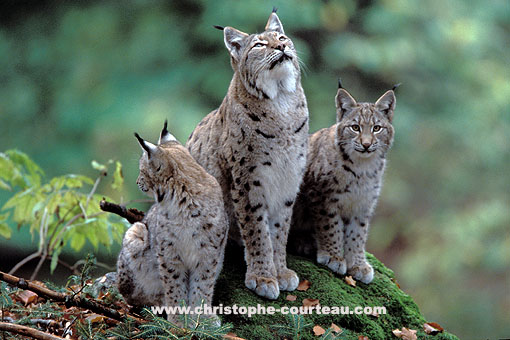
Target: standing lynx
<point x="176" y="253"/>
<point x="255" y="144"/>
<point x="343" y="180"/>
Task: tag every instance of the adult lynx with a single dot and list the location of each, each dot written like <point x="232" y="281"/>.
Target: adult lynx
<point x="255" y="144"/>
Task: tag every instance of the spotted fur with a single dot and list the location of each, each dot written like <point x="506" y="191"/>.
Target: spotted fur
<point x="255" y="144"/>
<point x="176" y="253"/>
<point x="342" y="182"/>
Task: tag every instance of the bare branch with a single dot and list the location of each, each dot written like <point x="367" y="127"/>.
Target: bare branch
<point x="39" y="265"/>
<point x="132" y="215"/>
<point x="93" y="191"/>
<point x="69" y="299"/>
<point x="24" y="261"/>
<point x="27" y="331"/>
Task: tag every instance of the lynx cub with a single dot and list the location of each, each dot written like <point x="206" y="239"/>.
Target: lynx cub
<point x="343" y="180"/>
<point x="177" y="252"/>
<point x="255" y="144"/>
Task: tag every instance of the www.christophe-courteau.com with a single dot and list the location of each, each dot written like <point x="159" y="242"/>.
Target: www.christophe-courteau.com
<point x="268" y="310"/>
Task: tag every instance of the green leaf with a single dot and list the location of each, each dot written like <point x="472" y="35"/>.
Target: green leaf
<point x="118" y="177"/>
<point x="54" y="259"/>
<point x="10" y="173"/>
<point x="4" y="185"/>
<point x="77" y="241"/>
<point x="99" y="166"/>
<point x="23" y="204"/>
<point x="5" y="231"/>
<point x="77" y="181"/>
<point x="116" y="231"/>
<point x="22" y="160"/>
<point x="57" y="183"/>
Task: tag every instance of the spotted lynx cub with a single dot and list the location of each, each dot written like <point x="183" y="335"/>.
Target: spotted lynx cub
<point x="343" y="180"/>
<point x="255" y="144"/>
<point x="176" y="253"/>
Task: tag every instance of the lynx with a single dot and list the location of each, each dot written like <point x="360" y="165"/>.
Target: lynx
<point x="343" y="180"/>
<point x="176" y="253"/>
<point x="255" y="144"/>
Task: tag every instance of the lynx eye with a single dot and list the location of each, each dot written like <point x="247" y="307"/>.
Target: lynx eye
<point x="282" y="38"/>
<point x="258" y="45"/>
<point x="355" y="127"/>
<point x="376" y="128"/>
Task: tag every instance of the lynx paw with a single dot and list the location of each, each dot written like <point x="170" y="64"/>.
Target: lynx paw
<point x="363" y="272"/>
<point x="336" y="263"/>
<point x="264" y="286"/>
<point x="288" y="280"/>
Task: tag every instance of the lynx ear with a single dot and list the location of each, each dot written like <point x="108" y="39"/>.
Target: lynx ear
<point x="234" y="40"/>
<point x="166" y="136"/>
<point x="274" y="23"/>
<point x="344" y="102"/>
<point x="146" y="146"/>
<point x="386" y="104"/>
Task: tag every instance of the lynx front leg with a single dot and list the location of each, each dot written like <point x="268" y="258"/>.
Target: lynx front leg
<point x="252" y="219"/>
<point x="329" y="231"/>
<point x="356" y="233"/>
<point x="173" y="276"/>
<point x="279" y="228"/>
<point x="202" y="281"/>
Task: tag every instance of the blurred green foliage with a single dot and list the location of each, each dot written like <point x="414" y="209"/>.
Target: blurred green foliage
<point x="78" y="78"/>
<point x="59" y="212"/>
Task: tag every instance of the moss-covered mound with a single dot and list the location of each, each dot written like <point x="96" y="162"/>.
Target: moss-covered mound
<point x="331" y="290"/>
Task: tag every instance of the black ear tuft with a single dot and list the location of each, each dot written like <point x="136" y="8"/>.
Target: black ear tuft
<point x="142" y="144"/>
<point x="221" y="28"/>
<point x="140" y="139"/>
<point x="165" y="128"/>
<point x="340" y="83"/>
<point x="396" y="86"/>
<point x="275" y="9"/>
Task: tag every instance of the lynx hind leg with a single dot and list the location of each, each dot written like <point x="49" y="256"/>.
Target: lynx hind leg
<point x="329" y="237"/>
<point x="355" y="239"/>
<point x="137" y="277"/>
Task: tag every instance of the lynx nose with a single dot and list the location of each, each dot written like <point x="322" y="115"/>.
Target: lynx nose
<point x="280" y="47"/>
<point x="366" y="145"/>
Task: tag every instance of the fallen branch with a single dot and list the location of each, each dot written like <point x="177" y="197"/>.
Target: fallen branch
<point x="132" y="215"/>
<point x="27" y="331"/>
<point x="69" y="299"/>
<point x="232" y="337"/>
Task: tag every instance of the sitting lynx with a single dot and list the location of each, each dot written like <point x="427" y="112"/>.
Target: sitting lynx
<point x="177" y="252"/>
<point x="255" y="144"/>
<point x="343" y="180"/>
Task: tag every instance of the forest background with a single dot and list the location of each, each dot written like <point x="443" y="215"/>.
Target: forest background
<point x="78" y="78"/>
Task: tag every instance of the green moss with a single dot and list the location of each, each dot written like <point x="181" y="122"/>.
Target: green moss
<point x="331" y="290"/>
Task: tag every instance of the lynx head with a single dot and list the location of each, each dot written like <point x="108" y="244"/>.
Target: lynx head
<point x="159" y="163"/>
<point x="266" y="63"/>
<point x="364" y="129"/>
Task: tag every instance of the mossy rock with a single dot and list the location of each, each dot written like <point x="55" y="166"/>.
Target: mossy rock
<point x="331" y="290"/>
